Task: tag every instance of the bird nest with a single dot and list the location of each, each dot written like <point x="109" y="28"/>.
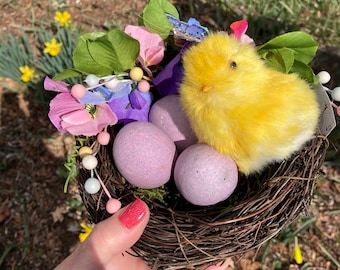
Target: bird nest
<point x="180" y="235"/>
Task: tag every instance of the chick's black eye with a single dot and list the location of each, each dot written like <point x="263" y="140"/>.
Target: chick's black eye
<point x="233" y="64"/>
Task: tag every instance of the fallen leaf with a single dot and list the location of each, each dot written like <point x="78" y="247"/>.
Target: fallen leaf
<point x="58" y="213"/>
<point x="4" y="213"/>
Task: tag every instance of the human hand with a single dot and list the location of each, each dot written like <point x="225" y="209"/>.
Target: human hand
<point x="106" y="246"/>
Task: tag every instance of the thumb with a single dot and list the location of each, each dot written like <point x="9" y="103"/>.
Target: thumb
<point x="104" y="248"/>
<point x="119" y="232"/>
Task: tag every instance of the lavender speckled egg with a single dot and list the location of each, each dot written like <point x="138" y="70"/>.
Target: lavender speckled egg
<point x="203" y="176"/>
<point x="144" y="154"/>
<point x="168" y="115"/>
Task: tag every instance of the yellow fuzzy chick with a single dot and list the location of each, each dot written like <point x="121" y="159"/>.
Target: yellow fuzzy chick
<point x="242" y="108"/>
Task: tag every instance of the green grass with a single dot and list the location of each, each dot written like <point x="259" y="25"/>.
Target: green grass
<point x="51" y="66"/>
<point x="268" y="18"/>
<point x="329" y="255"/>
<point x="14" y="53"/>
<point x="20" y="51"/>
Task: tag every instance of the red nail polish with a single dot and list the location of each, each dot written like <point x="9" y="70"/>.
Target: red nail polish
<point x="133" y="214"/>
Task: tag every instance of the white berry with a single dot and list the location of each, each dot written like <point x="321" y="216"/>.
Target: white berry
<point x="91" y="80"/>
<point x="92" y="185"/>
<point x="324" y="77"/>
<point x="90" y="162"/>
<point x="112" y="83"/>
<point x="336" y="93"/>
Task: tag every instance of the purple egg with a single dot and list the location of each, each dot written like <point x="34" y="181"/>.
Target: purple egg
<point x="203" y="176"/>
<point x="168" y="115"/>
<point x="144" y="154"/>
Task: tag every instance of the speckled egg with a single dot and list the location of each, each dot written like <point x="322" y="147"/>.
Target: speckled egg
<point x="144" y="154"/>
<point x="203" y="176"/>
<point x="168" y="115"/>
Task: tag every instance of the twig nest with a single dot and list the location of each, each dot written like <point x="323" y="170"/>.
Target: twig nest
<point x="205" y="177"/>
<point x="144" y="154"/>
<point x="260" y="206"/>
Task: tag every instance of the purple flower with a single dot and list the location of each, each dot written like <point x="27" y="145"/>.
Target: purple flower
<point x="132" y="107"/>
<point x="136" y="100"/>
<point x="168" y="80"/>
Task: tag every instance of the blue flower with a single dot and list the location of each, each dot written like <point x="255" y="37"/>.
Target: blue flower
<point x="101" y="94"/>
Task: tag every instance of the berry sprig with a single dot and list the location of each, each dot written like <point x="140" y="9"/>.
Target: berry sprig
<point x="325" y="77"/>
<point x="89" y="161"/>
<point x="136" y="75"/>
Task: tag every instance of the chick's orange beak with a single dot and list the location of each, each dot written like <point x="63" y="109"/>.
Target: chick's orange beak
<point x="207" y="88"/>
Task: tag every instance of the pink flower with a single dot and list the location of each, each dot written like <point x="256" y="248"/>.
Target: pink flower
<point x="55" y="86"/>
<point x="69" y="115"/>
<point x="239" y="29"/>
<point x="152" y="47"/>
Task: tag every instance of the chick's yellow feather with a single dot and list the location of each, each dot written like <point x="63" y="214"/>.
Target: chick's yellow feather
<point x="242" y="108"/>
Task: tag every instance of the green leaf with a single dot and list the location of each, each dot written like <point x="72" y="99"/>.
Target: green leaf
<point x="154" y="17"/>
<point x="291" y="52"/>
<point x="302" y="44"/>
<point x="304" y="71"/>
<point x="316" y="79"/>
<point x="115" y="51"/>
<point x="82" y="59"/>
<point x="280" y="59"/>
<point x="67" y="73"/>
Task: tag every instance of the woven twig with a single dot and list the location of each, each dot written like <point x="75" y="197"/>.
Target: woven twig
<point x="180" y="235"/>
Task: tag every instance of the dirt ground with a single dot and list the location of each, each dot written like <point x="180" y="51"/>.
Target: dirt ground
<point x="39" y="224"/>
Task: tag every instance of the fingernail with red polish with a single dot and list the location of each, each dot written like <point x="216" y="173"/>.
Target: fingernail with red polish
<point x="133" y="214"/>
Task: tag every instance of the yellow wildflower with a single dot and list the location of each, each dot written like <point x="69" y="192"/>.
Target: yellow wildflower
<point x="297" y="253"/>
<point x="63" y="18"/>
<point x="27" y="73"/>
<point x="85" y="231"/>
<point x="52" y="47"/>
